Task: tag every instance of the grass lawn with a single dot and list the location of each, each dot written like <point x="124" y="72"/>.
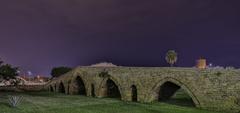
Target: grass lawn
<point x="44" y="102"/>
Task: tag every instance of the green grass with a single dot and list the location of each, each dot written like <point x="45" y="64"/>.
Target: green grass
<point x="44" y="102"/>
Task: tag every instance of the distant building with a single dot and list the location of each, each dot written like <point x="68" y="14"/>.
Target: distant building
<point x="201" y="63"/>
<point x="36" y="80"/>
<point x="40" y="79"/>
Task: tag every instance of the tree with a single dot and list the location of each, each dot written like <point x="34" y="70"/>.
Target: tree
<point x="8" y="73"/>
<point x="58" y="71"/>
<point x="171" y="57"/>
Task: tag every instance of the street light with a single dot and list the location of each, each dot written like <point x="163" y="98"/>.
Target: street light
<point x="29" y="75"/>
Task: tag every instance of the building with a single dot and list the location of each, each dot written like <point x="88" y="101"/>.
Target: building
<point x="201" y="63"/>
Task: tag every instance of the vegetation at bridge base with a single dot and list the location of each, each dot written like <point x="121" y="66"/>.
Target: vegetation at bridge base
<point x="58" y="71"/>
<point x="44" y="102"/>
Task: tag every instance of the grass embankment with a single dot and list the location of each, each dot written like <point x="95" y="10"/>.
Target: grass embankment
<point x="45" y="102"/>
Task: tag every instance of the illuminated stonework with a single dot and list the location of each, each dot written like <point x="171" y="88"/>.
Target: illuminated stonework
<point x="211" y="89"/>
<point x="201" y="64"/>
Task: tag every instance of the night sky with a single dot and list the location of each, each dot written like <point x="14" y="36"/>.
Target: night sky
<point x="37" y="35"/>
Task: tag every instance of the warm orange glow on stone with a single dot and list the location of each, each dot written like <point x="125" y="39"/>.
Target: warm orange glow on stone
<point x="201" y="63"/>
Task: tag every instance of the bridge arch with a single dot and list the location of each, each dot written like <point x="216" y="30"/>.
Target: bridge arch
<point x="93" y="94"/>
<point x="61" y="88"/>
<point x="79" y="86"/>
<point x="134" y="93"/>
<point x="174" y="85"/>
<point x="109" y="87"/>
<point x="51" y="88"/>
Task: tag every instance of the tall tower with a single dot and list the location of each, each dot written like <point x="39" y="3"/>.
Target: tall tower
<point x="201" y="63"/>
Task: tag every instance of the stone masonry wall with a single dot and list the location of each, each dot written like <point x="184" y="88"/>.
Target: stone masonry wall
<point x="211" y="89"/>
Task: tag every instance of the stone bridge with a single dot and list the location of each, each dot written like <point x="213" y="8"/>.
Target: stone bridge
<point x="211" y="89"/>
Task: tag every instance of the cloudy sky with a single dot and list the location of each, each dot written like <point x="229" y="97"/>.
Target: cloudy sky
<point x="37" y="35"/>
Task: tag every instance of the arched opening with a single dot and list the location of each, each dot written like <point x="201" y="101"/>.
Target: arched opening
<point x="80" y="86"/>
<point x="51" y="89"/>
<point x="134" y="93"/>
<point x="172" y="93"/>
<point x="112" y="90"/>
<point x="93" y="90"/>
<point x="61" y="88"/>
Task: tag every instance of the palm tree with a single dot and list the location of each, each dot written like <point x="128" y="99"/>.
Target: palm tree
<point x="171" y="57"/>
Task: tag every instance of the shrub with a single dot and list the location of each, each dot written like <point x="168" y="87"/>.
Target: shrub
<point x="103" y="74"/>
<point x="218" y="73"/>
<point x="58" y="71"/>
<point x="14" y="101"/>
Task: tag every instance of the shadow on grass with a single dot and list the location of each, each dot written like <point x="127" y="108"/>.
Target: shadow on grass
<point x="44" y="94"/>
<point x="181" y="98"/>
<point x="5" y="104"/>
<point x="185" y="102"/>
